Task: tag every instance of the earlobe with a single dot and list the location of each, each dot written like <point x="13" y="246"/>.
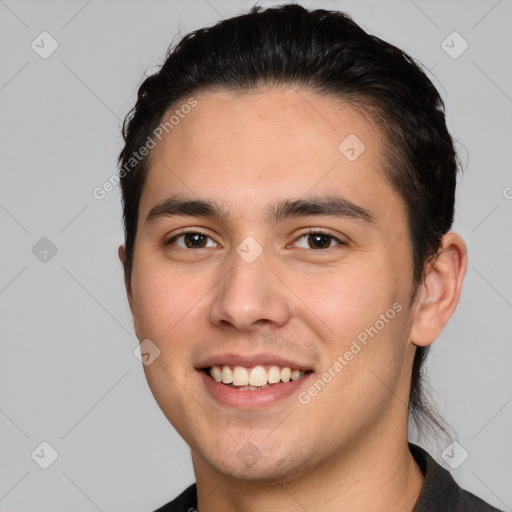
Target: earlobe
<point x="121" y="252"/>
<point x="122" y="257"/>
<point x="440" y="291"/>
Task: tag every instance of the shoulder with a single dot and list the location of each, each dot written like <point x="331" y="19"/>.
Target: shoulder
<point x="472" y="503"/>
<point x="185" y="502"/>
<point x="440" y="492"/>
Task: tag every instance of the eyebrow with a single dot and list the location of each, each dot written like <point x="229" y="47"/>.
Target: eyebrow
<point x="186" y="207"/>
<point x="331" y="206"/>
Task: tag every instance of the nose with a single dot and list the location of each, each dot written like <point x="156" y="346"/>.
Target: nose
<point x="250" y="296"/>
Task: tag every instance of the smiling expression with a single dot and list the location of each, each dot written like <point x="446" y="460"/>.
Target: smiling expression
<point x="261" y="244"/>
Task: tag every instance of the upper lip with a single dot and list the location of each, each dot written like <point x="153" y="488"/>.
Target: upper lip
<point x="249" y="360"/>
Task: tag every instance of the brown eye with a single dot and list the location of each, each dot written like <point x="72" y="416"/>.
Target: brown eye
<point x="192" y="240"/>
<point x="317" y="240"/>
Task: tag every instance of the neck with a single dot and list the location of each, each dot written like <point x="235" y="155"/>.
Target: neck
<point x="370" y="475"/>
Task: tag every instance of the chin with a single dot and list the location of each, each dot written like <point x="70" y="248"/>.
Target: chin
<point x="266" y="470"/>
<point x="266" y="466"/>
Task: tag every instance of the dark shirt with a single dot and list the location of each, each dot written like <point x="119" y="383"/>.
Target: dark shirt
<point x="440" y="492"/>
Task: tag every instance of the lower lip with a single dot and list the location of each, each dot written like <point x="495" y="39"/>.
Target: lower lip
<point x="247" y="399"/>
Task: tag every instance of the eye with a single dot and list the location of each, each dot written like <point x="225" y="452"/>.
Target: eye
<point x="192" y="240"/>
<point x="317" y="240"/>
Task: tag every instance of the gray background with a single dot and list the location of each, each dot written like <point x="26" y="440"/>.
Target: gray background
<point x="68" y="374"/>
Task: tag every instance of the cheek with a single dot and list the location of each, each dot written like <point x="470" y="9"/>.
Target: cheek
<point x="170" y="307"/>
<point x="161" y="299"/>
<point x="364" y="360"/>
<point x="347" y="300"/>
<point x="361" y="318"/>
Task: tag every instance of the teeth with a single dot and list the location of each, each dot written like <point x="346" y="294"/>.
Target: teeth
<point x="274" y="375"/>
<point x="285" y="374"/>
<point x="216" y="373"/>
<point x="296" y="374"/>
<point x="258" y="377"/>
<point x="227" y="375"/>
<point x="240" y="376"/>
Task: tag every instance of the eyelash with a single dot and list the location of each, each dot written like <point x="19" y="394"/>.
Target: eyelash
<point x="195" y="232"/>
<point x="316" y="231"/>
<point x="310" y="231"/>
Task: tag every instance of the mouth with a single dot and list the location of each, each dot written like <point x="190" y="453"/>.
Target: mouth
<point x="254" y="378"/>
<point x="252" y="381"/>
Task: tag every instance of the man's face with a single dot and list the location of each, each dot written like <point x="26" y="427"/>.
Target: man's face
<point x="271" y="282"/>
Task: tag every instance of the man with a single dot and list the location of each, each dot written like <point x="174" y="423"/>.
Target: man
<point x="288" y="188"/>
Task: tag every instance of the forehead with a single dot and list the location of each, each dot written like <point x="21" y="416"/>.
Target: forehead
<point x="249" y="148"/>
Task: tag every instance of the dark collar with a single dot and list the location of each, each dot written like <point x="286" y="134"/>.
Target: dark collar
<point x="440" y="492"/>
<point x="438" y="484"/>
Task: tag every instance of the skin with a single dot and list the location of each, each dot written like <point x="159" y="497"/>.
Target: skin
<point x="347" y="448"/>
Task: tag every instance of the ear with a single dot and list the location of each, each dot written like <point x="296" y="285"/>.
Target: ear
<point x="127" y="283"/>
<point x="439" y="293"/>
